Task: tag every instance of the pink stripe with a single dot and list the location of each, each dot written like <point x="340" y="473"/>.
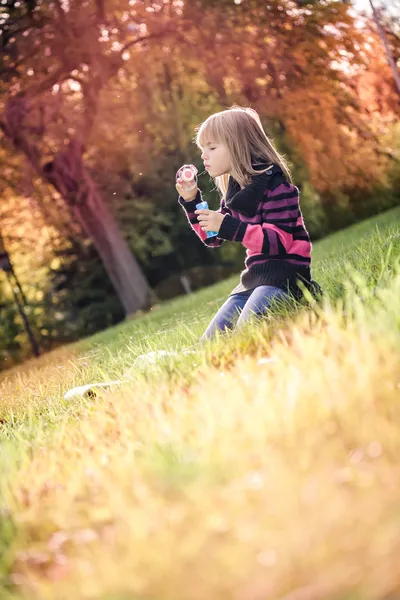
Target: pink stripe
<point x="258" y="262"/>
<point x="300" y="221"/>
<point x="301" y="247"/>
<point x="268" y="204"/>
<point x="285" y="214"/>
<point x="253" y="238"/>
<point x="281" y="189"/>
<point x="202" y="234"/>
<point x="252" y="253"/>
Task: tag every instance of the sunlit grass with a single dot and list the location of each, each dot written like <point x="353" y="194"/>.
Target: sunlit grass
<point x="263" y="466"/>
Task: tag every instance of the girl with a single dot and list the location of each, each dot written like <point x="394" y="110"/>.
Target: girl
<point x="259" y="208"/>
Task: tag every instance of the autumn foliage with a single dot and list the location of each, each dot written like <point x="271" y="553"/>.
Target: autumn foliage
<point x="98" y="105"/>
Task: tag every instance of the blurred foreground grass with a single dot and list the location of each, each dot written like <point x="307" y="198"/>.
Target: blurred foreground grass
<point x="265" y="466"/>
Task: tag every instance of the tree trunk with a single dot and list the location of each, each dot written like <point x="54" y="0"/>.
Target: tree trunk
<point x="99" y="224"/>
<point x="67" y="173"/>
<point x="121" y="266"/>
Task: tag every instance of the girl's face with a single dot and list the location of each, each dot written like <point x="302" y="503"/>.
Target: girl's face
<point x="216" y="159"/>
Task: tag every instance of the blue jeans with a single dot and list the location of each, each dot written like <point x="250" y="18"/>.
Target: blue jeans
<point x="244" y="304"/>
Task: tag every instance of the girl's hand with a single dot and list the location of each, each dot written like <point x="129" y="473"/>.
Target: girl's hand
<point x="187" y="196"/>
<point x="210" y="220"/>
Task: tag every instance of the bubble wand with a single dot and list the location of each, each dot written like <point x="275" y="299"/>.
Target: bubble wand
<point x="188" y="176"/>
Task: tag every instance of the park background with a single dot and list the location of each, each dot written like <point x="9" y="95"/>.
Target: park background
<point x="98" y="104"/>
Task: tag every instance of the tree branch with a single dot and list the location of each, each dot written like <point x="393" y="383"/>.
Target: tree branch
<point x="151" y="36"/>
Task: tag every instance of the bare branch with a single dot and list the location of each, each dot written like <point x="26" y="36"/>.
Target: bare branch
<point x="151" y="36"/>
<point x="57" y="77"/>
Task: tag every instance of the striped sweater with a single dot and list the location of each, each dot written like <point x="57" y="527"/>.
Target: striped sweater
<point x="265" y="217"/>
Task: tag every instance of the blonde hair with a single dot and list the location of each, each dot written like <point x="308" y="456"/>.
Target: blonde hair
<point x="241" y="131"/>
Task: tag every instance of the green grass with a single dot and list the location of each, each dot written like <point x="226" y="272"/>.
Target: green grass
<point x="263" y="466"/>
<point x="340" y="242"/>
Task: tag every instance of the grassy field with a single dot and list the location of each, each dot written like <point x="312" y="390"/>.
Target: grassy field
<point x="264" y="466"/>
